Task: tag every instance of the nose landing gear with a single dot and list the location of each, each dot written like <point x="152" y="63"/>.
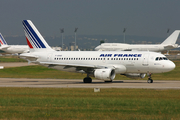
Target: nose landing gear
<point x="149" y="78"/>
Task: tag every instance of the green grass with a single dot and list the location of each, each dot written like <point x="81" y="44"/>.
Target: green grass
<point x="44" y="72"/>
<point x="67" y="103"/>
<point x="11" y="59"/>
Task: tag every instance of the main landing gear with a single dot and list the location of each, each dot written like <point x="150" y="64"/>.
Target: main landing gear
<point x="149" y="78"/>
<point x="87" y="80"/>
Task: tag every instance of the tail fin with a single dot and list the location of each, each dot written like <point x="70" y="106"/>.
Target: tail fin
<point x="172" y="38"/>
<point x="2" y="40"/>
<point x="35" y="40"/>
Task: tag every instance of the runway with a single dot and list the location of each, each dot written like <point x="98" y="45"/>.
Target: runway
<point x="15" y="64"/>
<point x="77" y="83"/>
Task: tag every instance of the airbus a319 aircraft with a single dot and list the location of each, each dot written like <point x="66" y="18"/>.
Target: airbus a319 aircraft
<point x="168" y="44"/>
<point x="13" y="49"/>
<point x="103" y="65"/>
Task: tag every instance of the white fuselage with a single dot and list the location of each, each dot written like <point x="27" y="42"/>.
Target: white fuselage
<point x="122" y="61"/>
<point x="134" y="47"/>
<point x="13" y="49"/>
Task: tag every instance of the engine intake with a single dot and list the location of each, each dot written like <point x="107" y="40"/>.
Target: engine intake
<point x="104" y="74"/>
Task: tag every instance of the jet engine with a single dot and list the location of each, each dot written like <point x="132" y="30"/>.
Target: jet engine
<point x="105" y="74"/>
<point x="135" y="75"/>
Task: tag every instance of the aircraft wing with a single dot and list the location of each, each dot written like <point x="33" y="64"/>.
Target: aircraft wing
<point x="70" y="65"/>
<point x="127" y="50"/>
<point x="85" y="67"/>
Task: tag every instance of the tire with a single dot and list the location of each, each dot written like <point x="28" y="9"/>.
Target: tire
<point x="87" y="80"/>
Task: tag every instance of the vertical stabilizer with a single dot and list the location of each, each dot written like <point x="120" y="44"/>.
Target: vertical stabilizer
<point x="171" y="40"/>
<point x="35" y="40"/>
<point x="2" y="40"/>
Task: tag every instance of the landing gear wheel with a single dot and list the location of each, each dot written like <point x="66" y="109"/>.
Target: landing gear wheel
<point x="87" y="80"/>
<point x="150" y="80"/>
<point x="108" y="81"/>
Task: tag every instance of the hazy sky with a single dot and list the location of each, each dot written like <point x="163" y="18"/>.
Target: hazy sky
<point x="100" y="17"/>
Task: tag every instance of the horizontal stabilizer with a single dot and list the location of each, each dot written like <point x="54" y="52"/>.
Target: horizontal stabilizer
<point x="4" y="47"/>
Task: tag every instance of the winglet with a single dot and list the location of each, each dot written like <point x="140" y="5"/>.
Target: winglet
<point x="35" y="40"/>
<point x="172" y="38"/>
<point x="2" y="40"/>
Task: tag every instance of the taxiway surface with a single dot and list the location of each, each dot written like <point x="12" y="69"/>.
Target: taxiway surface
<point x="77" y="83"/>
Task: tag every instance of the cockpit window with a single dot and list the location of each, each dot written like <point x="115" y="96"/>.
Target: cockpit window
<point x="164" y="58"/>
<point x="161" y="58"/>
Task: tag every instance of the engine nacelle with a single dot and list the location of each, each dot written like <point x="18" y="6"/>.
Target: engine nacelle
<point x="135" y="75"/>
<point x="104" y="74"/>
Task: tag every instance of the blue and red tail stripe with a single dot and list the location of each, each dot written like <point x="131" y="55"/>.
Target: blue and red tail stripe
<point x="2" y="41"/>
<point x="32" y="38"/>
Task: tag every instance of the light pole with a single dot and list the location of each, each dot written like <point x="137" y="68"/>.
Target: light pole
<point x="62" y="31"/>
<point x="124" y="32"/>
<point x="168" y="32"/>
<point x="167" y="36"/>
<point x="75" y="38"/>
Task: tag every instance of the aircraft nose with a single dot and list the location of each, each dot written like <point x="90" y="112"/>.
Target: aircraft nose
<point x="170" y="66"/>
